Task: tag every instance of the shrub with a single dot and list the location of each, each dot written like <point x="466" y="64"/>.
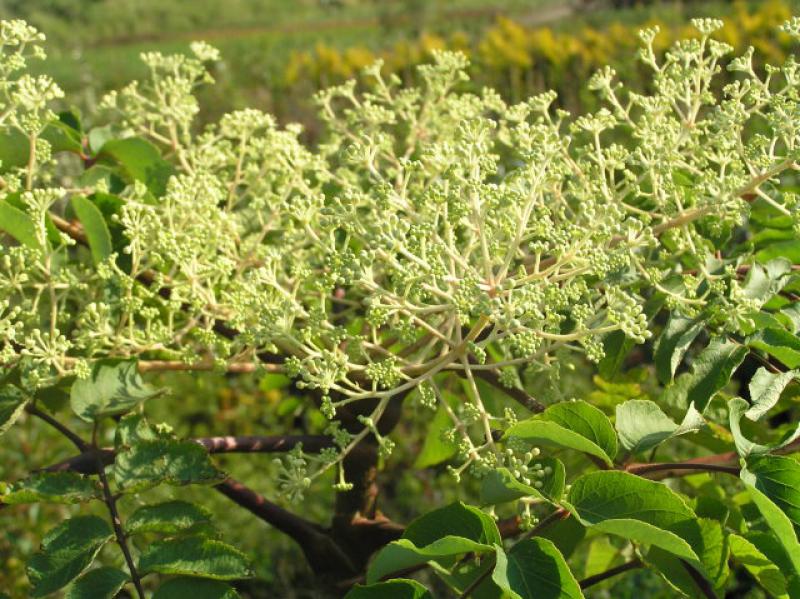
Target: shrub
<point x="441" y="252"/>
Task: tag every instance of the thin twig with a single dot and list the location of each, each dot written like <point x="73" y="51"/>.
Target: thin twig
<point x="116" y="522"/>
<point x="598" y="578"/>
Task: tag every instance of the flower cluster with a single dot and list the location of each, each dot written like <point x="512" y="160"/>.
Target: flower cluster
<point x="435" y="234"/>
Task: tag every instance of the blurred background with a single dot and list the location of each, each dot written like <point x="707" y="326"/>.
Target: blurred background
<point x="275" y="55"/>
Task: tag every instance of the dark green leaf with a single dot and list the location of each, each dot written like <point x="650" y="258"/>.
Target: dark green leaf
<point x="12" y="404"/>
<point x="100" y="583"/>
<point x="66" y="552"/>
<point x="94" y="225"/>
<point x="52" y="487"/>
<point x="535" y="569"/>
<point x="148" y="463"/>
<point x="455" y="519"/>
<point x="712" y="370"/>
<point x="673" y="343"/>
<point x="195" y="588"/>
<point x="170" y="517"/>
<point x="113" y="388"/>
<point x="779" y="479"/>
<point x="777" y="520"/>
<point x="616" y="346"/>
<point x="398" y="588"/>
<point x="195" y="556"/>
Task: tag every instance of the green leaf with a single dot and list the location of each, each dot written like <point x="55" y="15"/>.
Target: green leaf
<point x="616" y="346"/>
<point x="632" y="507"/>
<point x="765" y="390"/>
<point x="764" y="281"/>
<point x="66" y="552"/>
<point x="672" y="345"/>
<point x="14" y="150"/>
<point x="788" y="250"/>
<point x="737" y="407"/>
<point x="403" y="553"/>
<point x="455" y="519"/>
<point x="436" y="449"/>
<point x="777" y="520"/>
<point x="759" y="566"/>
<point x="641" y="425"/>
<point x="501" y="486"/>
<point x="12" y="404"/>
<point x="113" y="388"/>
<point x="52" y="487"/>
<point x="778" y="343"/>
<point x="62" y="137"/>
<point x="535" y="569"/>
<point x="98" y="136"/>
<point x="574" y="425"/>
<point x="712" y="370"/>
<point x="170" y="517"/>
<point x="94" y="225"/>
<point x="18" y="224"/>
<point x="195" y="556"/>
<point x="196" y="588"/>
<point x="139" y="160"/>
<point x="100" y="583"/>
<point x="397" y="588"/>
<point x="566" y="534"/>
<point x="779" y="479"/>
<point x="149" y="463"/>
<point x="710" y="542"/>
<point x="790" y="316"/>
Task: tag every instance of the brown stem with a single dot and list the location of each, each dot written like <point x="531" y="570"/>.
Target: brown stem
<point x="322" y="553"/>
<point x="675" y="467"/>
<point x="111" y="504"/>
<point x="598" y="578"/>
<point x="518" y="395"/>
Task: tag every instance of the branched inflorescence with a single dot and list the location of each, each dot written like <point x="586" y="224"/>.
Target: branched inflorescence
<point x="433" y="232"/>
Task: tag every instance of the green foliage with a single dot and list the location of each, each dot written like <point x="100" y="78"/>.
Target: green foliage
<point x="196" y="588"/>
<point x="535" y="568"/>
<point x="51" y="487"/>
<point x="195" y="556"/>
<point x="111" y="389"/>
<point x="576" y="425"/>
<point x="438" y="249"/>
<point x="66" y="552"/>
<point x="100" y="583"/>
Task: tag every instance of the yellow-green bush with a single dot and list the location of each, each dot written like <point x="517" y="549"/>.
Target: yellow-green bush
<point x="521" y="60"/>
